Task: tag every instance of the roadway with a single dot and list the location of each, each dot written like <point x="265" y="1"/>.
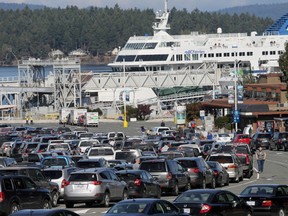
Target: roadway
<point x="275" y="167"/>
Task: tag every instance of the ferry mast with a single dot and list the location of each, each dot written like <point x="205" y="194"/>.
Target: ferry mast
<point x="161" y="23"/>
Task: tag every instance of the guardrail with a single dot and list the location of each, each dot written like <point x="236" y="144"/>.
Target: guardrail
<point x="9" y="79"/>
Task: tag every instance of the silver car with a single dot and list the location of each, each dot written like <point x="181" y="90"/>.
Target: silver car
<point x="94" y="186"/>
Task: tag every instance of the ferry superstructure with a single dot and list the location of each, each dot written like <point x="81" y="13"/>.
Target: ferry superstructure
<point x="165" y="52"/>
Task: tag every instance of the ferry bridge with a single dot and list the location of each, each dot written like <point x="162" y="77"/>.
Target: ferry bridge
<point x="66" y="85"/>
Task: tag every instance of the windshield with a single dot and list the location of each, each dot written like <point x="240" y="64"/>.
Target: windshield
<point x="124" y="208"/>
<point x="192" y="197"/>
<point x="258" y="190"/>
<point x="153" y="166"/>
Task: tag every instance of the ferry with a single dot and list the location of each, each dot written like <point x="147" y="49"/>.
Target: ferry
<point x="164" y="52"/>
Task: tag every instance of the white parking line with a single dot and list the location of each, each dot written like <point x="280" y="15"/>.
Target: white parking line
<point x="83" y="211"/>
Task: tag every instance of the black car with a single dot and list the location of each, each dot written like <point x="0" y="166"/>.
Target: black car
<point x="91" y="163"/>
<point x="169" y="173"/>
<point x="260" y="139"/>
<point x="20" y="192"/>
<point x="279" y="141"/>
<point x="45" y="212"/>
<point x="140" y="183"/>
<point x="201" y="175"/>
<point x="266" y="199"/>
<point x="144" y="207"/>
<point x="220" y="173"/>
<point x="212" y="202"/>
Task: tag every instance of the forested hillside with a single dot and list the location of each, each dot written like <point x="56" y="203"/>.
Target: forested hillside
<point x="33" y="33"/>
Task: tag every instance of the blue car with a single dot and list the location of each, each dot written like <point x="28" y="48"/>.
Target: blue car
<point x="141" y="207"/>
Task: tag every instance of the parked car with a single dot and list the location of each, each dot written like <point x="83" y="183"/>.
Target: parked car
<point x="45" y="212"/>
<point x="242" y="138"/>
<point x="38" y="177"/>
<point x="21" y="192"/>
<point x="140" y="183"/>
<point x="58" y="161"/>
<point x="91" y="163"/>
<point x="129" y="155"/>
<point x="169" y="173"/>
<point x="6" y="162"/>
<point x="266" y="199"/>
<point x="232" y="164"/>
<point x="279" y="141"/>
<point x="212" y="202"/>
<point x="220" y="173"/>
<point x="222" y="137"/>
<point x="199" y="171"/>
<point x="59" y="176"/>
<point x="90" y="186"/>
<point x="143" y="207"/>
<point x="260" y="139"/>
<point x="106" y="152"/>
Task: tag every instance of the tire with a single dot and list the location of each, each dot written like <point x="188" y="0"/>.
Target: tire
<point x="213" y="183"/>
<point x="106" y="199"/>
<point x="227" y="181"/>
<point x="203" y="183"/>
<point x="188" y="185"/>
<point x="125" y="195"/>
<point x="277" y="147"/>
<point x="176" y="190"/>
<point x="69" y="204"/>
<point x="55" y="198"/>
<point x="14" y="207"/>
<point x="46" y="204"/>
<point x="281" y="212"/>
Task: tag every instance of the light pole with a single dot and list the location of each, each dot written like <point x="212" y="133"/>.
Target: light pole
<point x="236" y="113"/>
<point x="125" y="123"/>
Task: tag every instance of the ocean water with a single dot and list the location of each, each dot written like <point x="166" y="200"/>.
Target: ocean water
<point x="12" y="71"/>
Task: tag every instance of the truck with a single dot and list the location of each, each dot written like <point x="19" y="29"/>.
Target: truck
<point x="91" y="119"/>
<point x="64" y="115"/>
<point x="77" y="116"/>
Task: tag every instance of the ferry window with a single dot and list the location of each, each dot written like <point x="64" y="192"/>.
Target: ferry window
<point x="226" y="54"/>
<point x="205" y="55"/>
<point x="187" y="57"/>
<point x="195" y="56"/>
<point x="179" y="57"/>
<point x="176" y="44"/>
<point x="272" y="53"/>
<point x="127" y="58"/>
<point x="234" y="54"/>
<point x="218" y="54"/>
<point x="249" y="53"/>
<point x="280" y="52"/>
<point x="151" y="58"/>
<point x="150" y="46"/>
<point x="133" y="46"/>
<point x="211" y="55"/>
<point x="156" y="79"/>
<point x="241" y="53"/>
<point x="264" y="52"/>
<point x="172" y="58"/>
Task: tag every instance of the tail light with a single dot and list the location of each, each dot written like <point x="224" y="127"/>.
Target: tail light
<point x="205" y="209"/>
<point x="96" y="182"/>
<point x="137" y="182"/>
<point x="2" y="196"/>
<point x="267" y="203"/>
<point x="232" y="166"/>
<point x="216" y="173"/>
<point x="64" y="183"/>
<point x="195" y="170"/>
<point x="169" y="176"/>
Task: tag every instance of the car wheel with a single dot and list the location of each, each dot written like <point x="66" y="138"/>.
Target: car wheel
<point x="125" y="195"/>
<point x="213" y="183"/>
<point x="14" y="208"/>
<point x="188" y="185"/>
<point x="176" y="190"/>
<point x="227" y="181"/>
<point x="55" y="197"/>
<point x="46" y="204"/>
<point x="281" y="212"/>
<point x="203" y="183"/>
<point x="69" y="204"/>
<point x="106" y="200"/>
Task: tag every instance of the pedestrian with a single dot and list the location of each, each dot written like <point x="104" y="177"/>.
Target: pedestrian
<point x="162" y="124"/>
<point x="209" y="136"/>
<point x="136" y="164"/>
<point x="260" y="157"/>
<point x="143" y="131"/>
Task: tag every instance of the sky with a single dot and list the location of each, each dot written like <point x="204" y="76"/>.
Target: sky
<point x="203" y="5"/>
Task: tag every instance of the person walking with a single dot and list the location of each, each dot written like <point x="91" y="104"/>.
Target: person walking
<point x="162" y="124"/>
<point x="260" y="157"/>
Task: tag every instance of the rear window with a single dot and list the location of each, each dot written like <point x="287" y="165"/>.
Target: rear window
<point x="32" y="146"/>
<point x="53" y="174"/>
<point x="153" y="166"/>
<point x="96" y="152"/>
<point x="33" y="158"/>
<point x="193" y="197"/>
<point x="128" y="176"/>
<point x="88" y="164"/>
<point x="257" y="190"/>
<point x="129" y="156"/>
<point x="221" y="159"/>
<point x="83" y="177"/>
<point x="54" y="162"/>
<point x="264" y="136"/>
<point x="188" y="163"/>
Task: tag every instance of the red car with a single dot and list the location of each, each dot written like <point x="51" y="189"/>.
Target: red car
<point x="242" y="138"/>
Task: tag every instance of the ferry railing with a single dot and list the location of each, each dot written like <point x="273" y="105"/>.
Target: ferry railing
<point x="9" y="79"/>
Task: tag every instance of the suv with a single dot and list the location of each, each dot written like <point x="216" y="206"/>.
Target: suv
<point x="199" y="171"/>
<point x="59" y="176"/>
<point x="169" y="173"/>
<point x="91" y="186"/>
<point x="260" y="139"/>
<point x="279" y="141"/>
<point x="38" y="177"/>
<point x="232" y="164"/>
<point x="129" y="155"/>
<point x="20" y="192"/>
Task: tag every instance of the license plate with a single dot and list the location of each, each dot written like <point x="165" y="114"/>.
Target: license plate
<point x="186" y="210"/>
<point x="79" y="187"/>
<point x="251" y="203"/>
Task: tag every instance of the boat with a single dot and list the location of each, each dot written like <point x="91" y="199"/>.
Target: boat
<point x="164" y="52"/>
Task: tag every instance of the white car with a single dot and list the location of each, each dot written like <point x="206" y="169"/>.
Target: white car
<point x="222" y="137"/>
<point x="105" y="152"/>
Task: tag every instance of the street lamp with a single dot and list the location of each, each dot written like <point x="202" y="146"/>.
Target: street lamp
<point x="236" y="112"/>
<point x="125" y="123"/>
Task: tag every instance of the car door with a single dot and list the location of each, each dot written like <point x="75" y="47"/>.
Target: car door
<point x="282" y="196"/>
<point x="208" y="171"/>
<point x="181" y="174"/>
<point x="118" y="185"/>
<point x="235" y="203"/>
<point x="151" y="184"/>
<point x="37" y="176"/>
<point x="221" y="204"/>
